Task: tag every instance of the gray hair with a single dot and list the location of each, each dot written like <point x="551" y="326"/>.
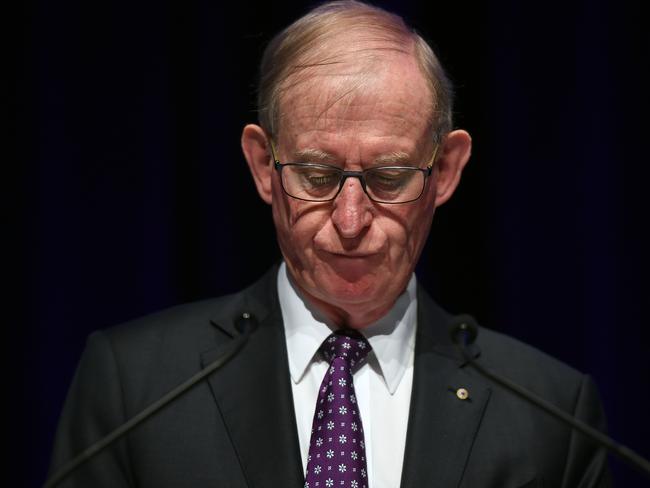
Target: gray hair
<point x="308" y="41"/>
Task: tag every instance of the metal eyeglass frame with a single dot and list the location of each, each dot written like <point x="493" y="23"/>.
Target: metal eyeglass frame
<point x="354" y="174"/>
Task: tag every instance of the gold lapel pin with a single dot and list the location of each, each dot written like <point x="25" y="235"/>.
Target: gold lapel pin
<point x="462" y="394"/>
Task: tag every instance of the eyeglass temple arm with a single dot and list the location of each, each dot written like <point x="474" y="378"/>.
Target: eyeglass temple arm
<point x="432" y="161"/>
<point x="272" y="146"/>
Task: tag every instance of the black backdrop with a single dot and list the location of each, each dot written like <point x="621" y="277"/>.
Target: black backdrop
<point x="136" y="196"/>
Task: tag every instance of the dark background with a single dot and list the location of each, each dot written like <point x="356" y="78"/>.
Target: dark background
<point x="133" y="194"/>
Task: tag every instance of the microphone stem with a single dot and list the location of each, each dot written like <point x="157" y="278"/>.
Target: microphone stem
<point x="625" y="453"/>
<point x="96" y="448"/>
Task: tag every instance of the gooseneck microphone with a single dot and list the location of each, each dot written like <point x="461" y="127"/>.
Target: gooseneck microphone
<point x="245" y="324"/>
<point x="464" y="332"/>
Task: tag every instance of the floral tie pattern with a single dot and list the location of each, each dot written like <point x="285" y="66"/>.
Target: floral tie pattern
<point x="337" y="455"/>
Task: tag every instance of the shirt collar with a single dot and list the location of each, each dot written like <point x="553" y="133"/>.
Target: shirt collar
<point x="392" y="337"/>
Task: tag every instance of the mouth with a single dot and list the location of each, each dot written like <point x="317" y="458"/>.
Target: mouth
<point x="351" y="261"/>
<point x="354" y="266"/>
<point x="350" y="254"/>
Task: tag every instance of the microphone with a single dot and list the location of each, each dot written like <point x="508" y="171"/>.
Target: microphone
<point x="464" y="332"/>
<point x="246" y="323"/>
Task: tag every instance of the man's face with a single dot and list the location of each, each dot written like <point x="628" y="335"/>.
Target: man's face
<point x="351" y="256"/>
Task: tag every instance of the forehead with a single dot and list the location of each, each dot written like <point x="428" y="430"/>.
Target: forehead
<point x="382" y="103"/>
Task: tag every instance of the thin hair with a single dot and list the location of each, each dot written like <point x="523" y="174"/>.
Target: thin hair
<point x="314" y="41"/>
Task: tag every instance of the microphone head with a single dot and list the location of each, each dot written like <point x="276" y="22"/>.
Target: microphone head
<point x="245" y="323"/>
<point x="463" y="330"/>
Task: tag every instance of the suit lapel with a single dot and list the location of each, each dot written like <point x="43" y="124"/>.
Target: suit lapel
<point x="253" y="393"/>
<point x="442" y="426"/>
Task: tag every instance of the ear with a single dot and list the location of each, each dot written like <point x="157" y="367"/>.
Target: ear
<point x="455" y="152"/>
<point x="258" y="155"/>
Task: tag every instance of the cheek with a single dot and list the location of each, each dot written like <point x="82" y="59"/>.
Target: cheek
<point x="296" y="224"/>
<point x="407" y="232"/>
<point x="407" y="226"/>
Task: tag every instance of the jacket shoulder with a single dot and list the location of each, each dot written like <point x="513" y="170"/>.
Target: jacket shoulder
<point x="196" y="323"/>
<point x="534" y="370"/>
<point x="524" y="363"/>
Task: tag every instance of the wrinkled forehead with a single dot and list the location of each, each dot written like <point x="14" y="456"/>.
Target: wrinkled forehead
<point x="366" y="89"/>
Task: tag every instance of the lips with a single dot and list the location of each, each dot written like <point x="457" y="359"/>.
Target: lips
<point x="351" y="254"/>
<point x="351" y="267"/>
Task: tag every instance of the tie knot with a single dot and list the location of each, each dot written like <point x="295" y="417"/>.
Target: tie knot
<point x="349" y="345"/>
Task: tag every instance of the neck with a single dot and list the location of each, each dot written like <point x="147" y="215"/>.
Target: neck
<point x="351" y="315"/>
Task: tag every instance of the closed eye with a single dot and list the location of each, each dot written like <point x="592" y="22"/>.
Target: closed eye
<point x="388" y="179"/>
<point x="321" y="179"/>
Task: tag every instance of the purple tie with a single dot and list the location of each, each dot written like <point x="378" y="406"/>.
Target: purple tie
<point x="337" y="455"/>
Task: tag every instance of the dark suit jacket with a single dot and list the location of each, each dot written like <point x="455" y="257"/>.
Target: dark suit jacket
<point x="238" y="428"/>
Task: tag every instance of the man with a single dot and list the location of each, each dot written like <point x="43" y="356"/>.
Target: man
<point x="349" y="377"/>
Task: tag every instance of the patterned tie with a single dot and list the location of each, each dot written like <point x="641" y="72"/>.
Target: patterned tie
<point x="337" y="455"/>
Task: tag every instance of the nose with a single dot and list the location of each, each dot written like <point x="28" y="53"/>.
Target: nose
<point x="352" y="209"/>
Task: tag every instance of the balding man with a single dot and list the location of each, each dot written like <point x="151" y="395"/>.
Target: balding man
<point x="349" y="378"/>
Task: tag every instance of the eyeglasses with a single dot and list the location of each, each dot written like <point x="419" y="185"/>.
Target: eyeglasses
<point x="313" y="182"/>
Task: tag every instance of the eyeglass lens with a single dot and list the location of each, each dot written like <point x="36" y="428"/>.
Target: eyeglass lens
<point x="322" y="183"/>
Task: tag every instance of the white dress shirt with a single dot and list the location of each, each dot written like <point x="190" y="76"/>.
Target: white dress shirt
<point x="382" y="384"/>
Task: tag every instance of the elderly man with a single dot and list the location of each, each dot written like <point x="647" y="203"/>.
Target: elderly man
<point x="349" y="378"/>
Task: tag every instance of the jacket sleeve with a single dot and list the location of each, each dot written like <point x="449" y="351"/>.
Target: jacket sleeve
<point x="586" y="465"/>
<point x="93" y="408"/>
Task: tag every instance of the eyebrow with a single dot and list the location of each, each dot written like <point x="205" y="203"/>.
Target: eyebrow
<point x="392" y="158"/>
<point x="313" y="155"/>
